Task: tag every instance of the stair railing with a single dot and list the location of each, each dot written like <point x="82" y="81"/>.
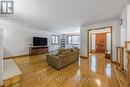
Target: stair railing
<point x="128" y="68"/>
<point x="120" y="57"/>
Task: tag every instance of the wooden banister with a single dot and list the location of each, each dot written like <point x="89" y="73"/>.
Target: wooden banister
<point x="128" y="68"/>
<point x="121" y="64"/>
<point x="117" y="62"/>
<point x="126" y="44"/>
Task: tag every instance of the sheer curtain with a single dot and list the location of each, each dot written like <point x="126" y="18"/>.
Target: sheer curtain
<point x="93" y="41"/>
<point x="109" y="41"/>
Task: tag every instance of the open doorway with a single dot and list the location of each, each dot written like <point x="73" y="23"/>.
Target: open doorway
<point x="100" y="41"/>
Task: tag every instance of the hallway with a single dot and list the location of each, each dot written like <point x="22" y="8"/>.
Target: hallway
<point x="93" y="72"/>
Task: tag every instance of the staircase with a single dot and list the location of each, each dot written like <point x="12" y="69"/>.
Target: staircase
<point x="123" y="64"/>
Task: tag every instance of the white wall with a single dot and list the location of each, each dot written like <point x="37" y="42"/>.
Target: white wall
<point x="115" y="36"/>
<point x="83" y="41"/>
<point x="18" y="37"/>
<point x="128" y="23"/>
<point x="123" y="28"/>
<point x="123" y="34"/>
<point x="1" y="55"/>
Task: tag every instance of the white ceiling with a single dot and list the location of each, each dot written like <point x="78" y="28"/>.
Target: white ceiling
<point x="63" y="16"/>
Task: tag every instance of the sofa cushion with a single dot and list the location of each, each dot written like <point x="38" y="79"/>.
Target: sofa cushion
<point x="54" y="54"/>
<point x="74" y="50"/>
<point x="62" y="50"/>
<point x="66" y="52"/>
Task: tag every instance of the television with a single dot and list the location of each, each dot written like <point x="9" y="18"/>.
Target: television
<point x="39" y="41"/>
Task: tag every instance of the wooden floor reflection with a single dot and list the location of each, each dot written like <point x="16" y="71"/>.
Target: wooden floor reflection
<point x="95" y="71"/>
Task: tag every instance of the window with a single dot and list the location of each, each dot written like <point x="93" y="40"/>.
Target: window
<point x="93" y="42"/>
<point x="55" y="39"/>
<point x="69" y="39"/>
<point x="73" y="39"/>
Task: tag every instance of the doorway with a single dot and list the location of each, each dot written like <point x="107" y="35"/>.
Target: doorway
<point x="100" y="40"/>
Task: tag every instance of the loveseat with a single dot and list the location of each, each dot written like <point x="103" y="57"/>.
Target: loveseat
<point x="63" y="58"/>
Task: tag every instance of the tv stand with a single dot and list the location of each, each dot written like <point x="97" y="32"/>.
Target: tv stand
<point x="36" y="50"/>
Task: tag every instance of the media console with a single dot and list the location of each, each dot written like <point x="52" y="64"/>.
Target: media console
<point x="35" y="50"/>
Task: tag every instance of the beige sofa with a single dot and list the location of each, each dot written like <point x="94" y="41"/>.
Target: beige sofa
<point x="63" y="58"/>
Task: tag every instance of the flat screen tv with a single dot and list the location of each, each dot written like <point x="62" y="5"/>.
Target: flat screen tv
<point x="39" y="41"/>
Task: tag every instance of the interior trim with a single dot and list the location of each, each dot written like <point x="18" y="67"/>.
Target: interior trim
<point x="15" y="56"/>
<point x="83" y="57"/>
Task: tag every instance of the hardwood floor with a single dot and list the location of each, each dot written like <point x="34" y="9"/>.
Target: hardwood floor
<point x="93" y="72"/>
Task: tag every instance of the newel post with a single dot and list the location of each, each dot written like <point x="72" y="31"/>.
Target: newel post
<point x="128" y="68"/>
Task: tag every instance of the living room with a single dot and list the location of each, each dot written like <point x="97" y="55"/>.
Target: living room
<point x="46" y="43"/>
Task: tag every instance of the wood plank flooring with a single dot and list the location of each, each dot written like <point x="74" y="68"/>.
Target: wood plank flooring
<point x="95" y="71"/>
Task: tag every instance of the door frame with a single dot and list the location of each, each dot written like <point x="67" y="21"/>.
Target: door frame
<point x="99" y="29"/>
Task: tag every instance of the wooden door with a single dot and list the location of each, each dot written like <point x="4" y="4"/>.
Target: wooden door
<point x="100" y="42"/>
